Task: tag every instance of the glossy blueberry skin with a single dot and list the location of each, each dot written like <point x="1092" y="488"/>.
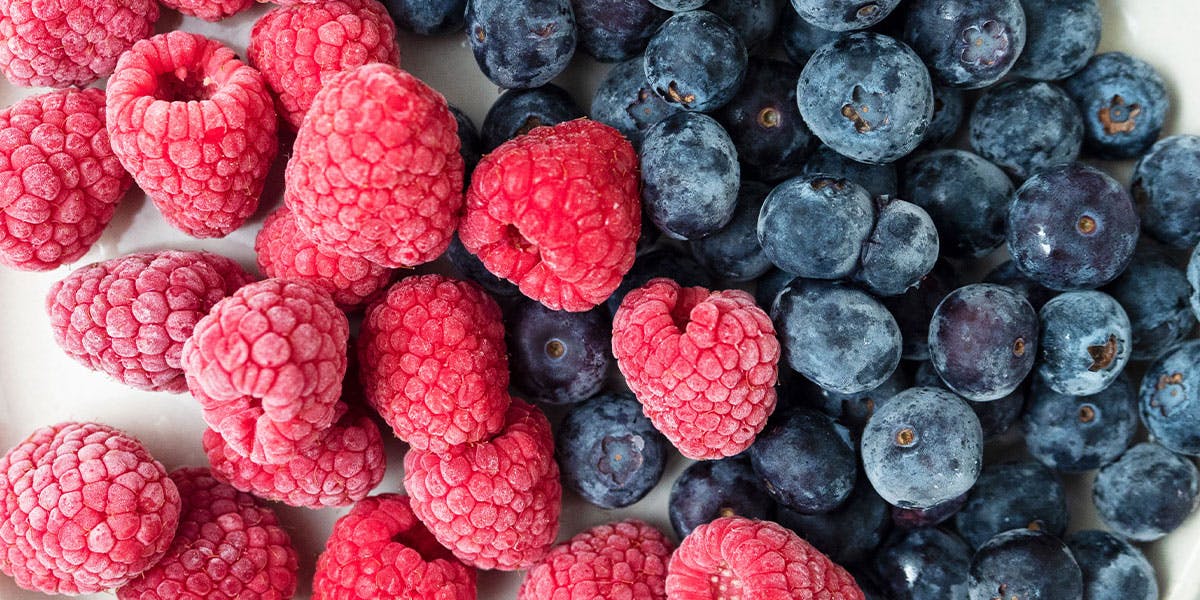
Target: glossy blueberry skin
<point x="845" y="211"/>
<point x="754" y="20"/>
<point x="470" y="267"/>
<point x="1113" y="569"/>
<point x="625" y="101"/>
<point x="968" y="44"/>
<point x="837" y="336"/>
<point x="1060" y="36"/>
<point x="1169" y="399"/>
<point x="733" y="252"/>
<point x="983" y="341"/>
<point x="690" y="176"/>
<point x="696" y="61"/>
<point x="1007" y="274"/>
<point x="1025" y="564"/>
<point x="1166" y="186"/>
<point x="427" y="17"/>
<point x="1147" y="493"/>
<point x="1124" y="103"/>
<point x="995" y="416"/>
<point x="664" y="261"/>
<point x="516" y="112"/>
<point x="914" y="308"/>
<point x="558" y="357"/>
<point x="1084" y="344"/>
<point x="1155" y="294"/>
<point x="922" y="448"/>
<point x="844" y="15"/>
<point x="902" y="248"/>
<point x="966" y="196"/>
<point x="866" y="96"/>
<point x="1193" y="277"/>
<point x="710" y="489"/>
<point x="853" y="410"/>
<point x="924" y="563"/>
<point x="918" y="518"/>
<point x="849" y="533"/>
<point x="764" y="122"/>
<point x="470" y="147"/>
<point x="805" y="461"/>
<point x="801" y="38"/>
<point x="1079" y="433"/>
<point x="1026" y="126"/>
<point x="616" y="30"/>
<point x="949" y="108"/>
<point x="878" y="180"/>
<point x="521" y="44"/>
<point x="1072" y="227"/>
<point x="609" y="452"/>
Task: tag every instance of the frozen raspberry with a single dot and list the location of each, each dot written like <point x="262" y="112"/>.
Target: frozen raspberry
<point x="433" y="362"/>
<point x="298" y="48"/>
<point x="626" y="560"/>
<point x="228" y="546"/>
<point x="375" y="171"/>
<point x="267" y="364"/>
<point x="557" y="212"/>
<point x="283" y="251"/>
<point x="129" y="316"/>
<point x="703" y="364"/>
<point x="381" y="550"/>
<point x="494" y="504"/>
<point x="196" y="128"/>
<point x="83" y="508"/>
<point x="209" y="10"/>
<point x="59" y="178"/>
<point x="736" y="557"/>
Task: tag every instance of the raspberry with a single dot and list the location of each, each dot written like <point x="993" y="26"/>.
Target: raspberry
<point x="494" y="504"/>
<point x="433" y="362"/>
<point x="83" y="508"/>
<point x="59" y="179"/>
<point x="381" y="550"/>
<point x="129" y="316"/>
<point x="375" y="171"/>
<point x="267" y="365"/>
<point x="283" y="251"/>
<point x="736" y="557"/>
<point x="196" y="128"/>
<point x="209" y="10"/>
<point x="299" y="47"/>
<point x="557" y="212"/>
<point x="703" y="364"/>
<point x="626" y="560"/>
<point x="228" y="545"/>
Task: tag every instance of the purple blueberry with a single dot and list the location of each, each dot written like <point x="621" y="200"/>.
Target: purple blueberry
<point x="710" y="489"/>
<point x="764" y="122"/>
<point x="805" y="461"/>
<point x="609" y="452"/>
<point x="558" y="357"/>
<point x="983" y="341"/>
<point x="616" y="30"/>
<point x="516" y="112"/>
<point x="1025" y="564"/>
<point x="914" y="308"/>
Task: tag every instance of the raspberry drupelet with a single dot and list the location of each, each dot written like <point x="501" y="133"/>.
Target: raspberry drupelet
<point x="209" y="10"/>
<point x="619" y="560"/>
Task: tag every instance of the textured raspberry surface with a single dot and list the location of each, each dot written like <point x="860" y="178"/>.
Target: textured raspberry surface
<point x="228" y="546"/>
<point x="494" y="504"/>
<point x="735" y="557"/>
<point x="283" y="251"/>
<point x="129" y="316"/>
<point x="557" y="212"/>
<point x="375" y="171"/>
<point x="59" y="43"/>
<point x="196" y="128"/>
<point x="703" y="364"/>
<point x="209" y="10"/>
<point x="433" y="362"/>
<point x="626" y="560"/>
<point x="381" y="550"/>
<point x="299" y="47"/>
<point x="83" y="508"/>
<point x="267" y="364"/>
<point x="59" y="178"/>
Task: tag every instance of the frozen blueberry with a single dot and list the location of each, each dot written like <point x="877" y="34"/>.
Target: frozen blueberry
<point x="625" y="101"/>
<point x="1156" y="296"/>
<point x="1016" y="495"/>
<point x="1169" y="398"/>
<point x="914" y="308"/>
<point x="949" y="107"/>
<point x="1080" y="433"/>
<point x="878" y="180"/>
<point x="902" y="248"/>
<point x="1008" y="275"/>
<point x="521" y="44"/>
<point x="470" y="267"/>
<point x="995" y="416"/>
<point x="754" y="20"/>
<point x="917" y="518"/>
<point x="678" y="5"/>
<point x="690" y="176"/>
<point x="427" y="17"/>
<point x="711" y="489"/>
<point x="801" y="38"/>
<point x="1124" y="104"/>
<point x="1166" y="185"/>
<point x="983" y="341"/>
<point x="664" y="261"/>
<point x="1026" y="126"/>
<point x="610" y="453"/>
<point x="845" y="211"/>
<point x="696" y="61"/>
<point x="1025" y="564"/>
<point x="844" y="15"/>
<point x="733" y="252"/>
<point x="966" y="196"/>
<point x="967" y="44"/>
<point x="616" y="30"/>
<point x="1147" y="493"/>
<point x="849" y="533"/>
<point x="470" y="146"/>
<point x="516" y="112"/>
<point x="1061" y="35"/>
<point x="853" y="410"/>
<point x="924" y="563"/>
<point x="558" y="357"/>
<point x="806" y="461"/>
<point x="768" y="287"/>
<point x="764" y="122"/>
<point x="1193" y="277"/>
<point x="1113" y="569"/>
<point x="1085" y="342"/>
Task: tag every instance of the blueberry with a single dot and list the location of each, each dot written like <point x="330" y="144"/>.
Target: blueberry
<point x="609" y="452"/>
<point x="1166" y="185"/>
<point x="1085" y="342"/>
<point x="1124" y="104"/>
<point x="1072" y="227"/>
<point x="923" y="447"/>
<point x="1025" y="564"/>
<point x="1008" y="275"/>
<point x="558" y="357"/>
<point x="914" y="308"/>
<point x="867" y="96"/>
<point x="690" y="176"/>
<point x="1026" y="126"/>
<point x="470" y="267"/>
<point x="1061" y="35"/>
<point x="427" y="17"/>
<point x="848" y="534"/>
<point x="733" y="252"/>
<point x="805" y="461"/>
<point x="711" y="489"/>
<point x="1080" y="433"/>
<point x="917" y="518"/>
<point x="983" y="341"/>
<point x="754" y="20"/>
<point x="924" y="564"/>
<point x="967" y="44"/>
<point x="902" y="249"/>
<point x="1113" y="569"/>
<point x="616" y="30"/>
<point x="665" y="261"/>
<point x="516" y="112"/>
<point x="801" y="38"/>
<point x="470" y="147"/>
<point x="696" y="61"/>
<point x="1193" y="277"/>
<point x="844" y="15"/>
<point x="853" y="410"/>
<point x="949" y="107"/>
<point x="764" y="122"/>
<point x="966" y="196"/>
<point x="678" y="5"/>
<point x="1156" y="296"/>
<point x="1169" y="398"/>
<point x="625" y="101"/>
<point x="521" y="44"/>
<point x="995" y="416"/>
<point x="1015" y="495"/>
<point x="878" y="180"/>
<point x="1147" y="493"/>
<point x="845" y="211"/>
<point x="768" y="287"/>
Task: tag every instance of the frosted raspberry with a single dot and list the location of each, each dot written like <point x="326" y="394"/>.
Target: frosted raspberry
<point x="703" y="364"/>
<point x="228" y="546"/>
<point x="83" y="508"/>
<point x="433" y="362"/>
<point x="59" y="178"/>
<point x="299" y="47"/>
<point x="736" y="557"/>
<point x="266" y="365"/>
<point x="209" y="10"/>
<point x="494" y="504"/>
<point x="375" y="171"/>
<point x="626" y="560"/>
<point x="557" y="212"/>
<point x="196" y="128"/>
<point x="381" y="550"/>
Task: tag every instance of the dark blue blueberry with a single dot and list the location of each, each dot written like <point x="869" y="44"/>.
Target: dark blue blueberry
<point x="867" y="96"/>
<point x="848" y="534"/>
<point x="1085" y="342"/>
<point x="1061" y="35"/>
<point x="1080" y="433"/>
<point x="967" y="44"/>
<point x="995" y="416"/>
<point x="1169" y="398"/>
<point x="914" y="308"/>
<point x="1124" y="104"/>
<point x="690" y="175"/>
<point x="754" y="20"/>
<point x="866" y="583"/>
<point x="922" y="448"/>
<point x="983" y="341"/>
<point x="516" y="112"/>
<point x="665" y="261"/>
<point x="696" y="61"/>
<point x="844" y="15"/>
<point x="470" y="147"/>
<point x="1027" y="565"/>
<point x="966" y="196"/>
<point x="733" y="252"/>
<point x="558" y="357"/>
<point x="1015" y="495"/>
<point x="1166" y="185"/>
<point x="1026" y="126"/>
<point x="764" y="122"/>
<point x="845" y="211"/>
<point x="1147" y="493"/>
<point x="924" y="564"/>
<point x="616" y="30"/>
<point x="521" y="44"/>
<point x="805" y="461"/>
<point x="625" y="101"/>
<point x="1072" y="227"/>
<point x="1113" y="569"/>
<point x="1156" y="296"/>
<point x="949" y="108"/>
<point x="768" y="287"/>
<point x="610" y="453"/>
<point x="901" y="249"/>
<point x="853" y="410"/>
<point x="878" y="180"/>
<point x="470" y="267"/>
<point x="917" y="518"/>
<point x="427" y="17"/>
<point x="678" y="5"/>
<point x="801" y="38"/>
<point x="710" y="489"/>
<point x="1193" y="277"/>
<point x="1007" y="274"/>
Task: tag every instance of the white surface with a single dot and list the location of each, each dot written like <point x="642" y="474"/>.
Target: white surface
<point x="39" y="385"/>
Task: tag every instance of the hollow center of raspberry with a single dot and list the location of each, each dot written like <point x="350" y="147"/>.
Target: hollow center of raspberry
<point x="725" y="585"/>
<point x="518" y="240"/>
<point x="420" y="539"/>
<point x="183" y="85"/>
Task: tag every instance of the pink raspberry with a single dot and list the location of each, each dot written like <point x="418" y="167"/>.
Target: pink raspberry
<point x="375" y="171"/>
<point x="83" y="508"/>
<point x="703" y="364"/>
<point x="59" y="178"/>
<point x="381" y="550"/>
<point x="298" y="48"/>
<point x="228" y="546"/>
<point x="494" y="504"/>
<point x="267" y="364"/>
<point x="626" y="560"/>
<point x="209" y="10"/>
<point x="196" y="128"/>
<point x="129" y="316"/>
<point x="283" y="251"/>
<point x="433" y="362"/>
